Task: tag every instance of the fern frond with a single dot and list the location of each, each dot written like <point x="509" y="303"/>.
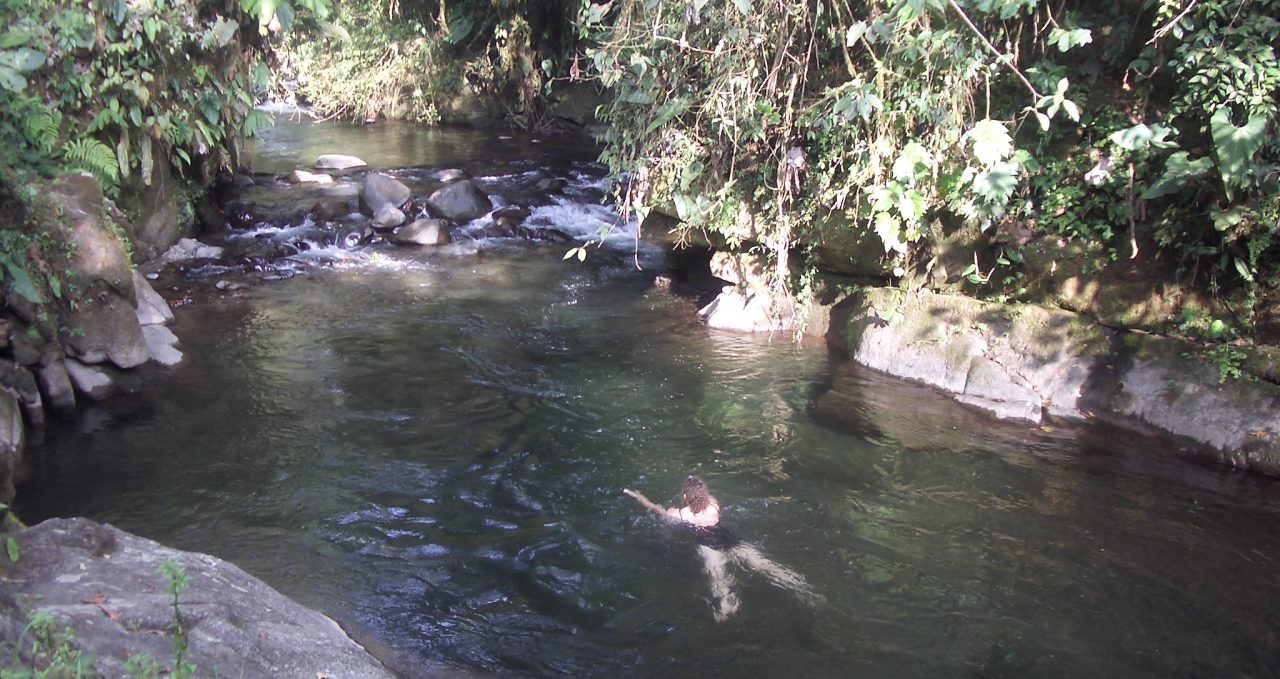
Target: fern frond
<point x="42" y="128"/>
<point x="93" y="156"/>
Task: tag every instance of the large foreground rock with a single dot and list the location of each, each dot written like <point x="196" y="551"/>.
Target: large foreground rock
<point x="105" y="585"/>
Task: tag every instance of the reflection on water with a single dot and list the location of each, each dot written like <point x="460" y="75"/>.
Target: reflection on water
<point x="433" y="454"/>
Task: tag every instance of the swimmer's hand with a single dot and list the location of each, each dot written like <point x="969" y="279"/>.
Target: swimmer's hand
<point x="646" y="502"/>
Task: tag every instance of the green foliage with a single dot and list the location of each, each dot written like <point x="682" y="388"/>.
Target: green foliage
<point x="379" y="59"/>
<point x="175" y="584"/>
<point x="46" y="650"/>
<point x="94" y="157"/>
<point x="912" y="114"/>
<point x="123" y="86"/>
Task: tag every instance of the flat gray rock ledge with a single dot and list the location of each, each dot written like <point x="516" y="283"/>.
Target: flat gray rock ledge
<point x="105" y="585"/>
<point x="1029" y="363"/>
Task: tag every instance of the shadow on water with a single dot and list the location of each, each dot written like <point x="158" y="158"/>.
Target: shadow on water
<point x="432" y="451"/>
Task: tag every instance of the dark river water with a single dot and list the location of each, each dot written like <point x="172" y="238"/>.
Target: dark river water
<point x="431" y="450"/>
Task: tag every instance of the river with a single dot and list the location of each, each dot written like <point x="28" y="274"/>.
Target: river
<point x="431" y="449"/>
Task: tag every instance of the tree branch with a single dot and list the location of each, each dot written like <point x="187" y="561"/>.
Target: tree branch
<point x="1000" y="56"/>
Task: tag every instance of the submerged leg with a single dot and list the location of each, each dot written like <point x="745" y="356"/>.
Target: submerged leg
<point x="716" y="563"/>
<point x="751" y="557"/>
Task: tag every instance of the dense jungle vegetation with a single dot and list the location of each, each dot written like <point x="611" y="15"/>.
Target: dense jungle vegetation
<point x="1114" y="128"/>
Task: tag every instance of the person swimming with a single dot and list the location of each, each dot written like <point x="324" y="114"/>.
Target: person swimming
<point x="718" y="547"/>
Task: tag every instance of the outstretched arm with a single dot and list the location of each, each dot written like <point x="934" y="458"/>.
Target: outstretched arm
<point x="646" y="502"/>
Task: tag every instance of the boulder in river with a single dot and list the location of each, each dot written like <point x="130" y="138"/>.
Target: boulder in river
<point x="387" y="217"/>
<point x="460" y="202"/>
<point x="190" y="248"/>
<point x="160" y="342"/>
<point x="91" y="381"/>
<point x="55" y="387"/>
<point x="105" y="586"/>
<point x="422" y="232"/>
<point x="337" y="161"/>
<point x="449" y="175"/>
<point x="381" y="190"/>
<point x="304" y="177"/>
<point x="152" y="308"/>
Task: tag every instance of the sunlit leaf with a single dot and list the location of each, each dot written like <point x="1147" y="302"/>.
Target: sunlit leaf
<point x="1235" y="146"/>
<point x="1243" y="269"/>
<point x="991" y="141"/>
<point x="913" y="159"/>
<point x="855" y="33"/>
<point x="996" y="184"/>
<point x="1141" y="136"/>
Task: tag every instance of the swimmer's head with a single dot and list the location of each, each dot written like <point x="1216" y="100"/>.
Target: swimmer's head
<point x="695" y="494"/>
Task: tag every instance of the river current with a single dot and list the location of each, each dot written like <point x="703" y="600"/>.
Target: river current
<point x="431" y="450"/>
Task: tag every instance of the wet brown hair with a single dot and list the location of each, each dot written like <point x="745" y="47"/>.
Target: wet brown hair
<point x="695" y="494"/>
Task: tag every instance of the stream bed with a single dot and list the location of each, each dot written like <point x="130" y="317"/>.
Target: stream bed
<point x="431" y="449"/>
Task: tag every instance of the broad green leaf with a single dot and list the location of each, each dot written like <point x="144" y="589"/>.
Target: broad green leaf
<point x="1066" y="40"/>
<point x="1235" y="146"/>
<point x="887" y="227"/>
<point x="1140" y="136"/>
<point x="14" y="37"/>
<point x="855" y="33"/>
<point x="11" y="548"/>
<point x="743" y="6"/>
<point x="224" y="31"/>
<point x="913" y="159"/>
<point x="285" y="14"/>
<point x="1073" y="111"/>
<point x="996" y="184"/>
<point x="1242" y="268"/>
<point x="1177" y="170"/>
<point x="991" y="141"/>
<point x="22" y="283"/>
<point x="11" y="80"/>
<point x="666" y="112"/>
<point x="911" y="206"/>
<point x="1225" y="219"/>
<point x="23" y="59"/>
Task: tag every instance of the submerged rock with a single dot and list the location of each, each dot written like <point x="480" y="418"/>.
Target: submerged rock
<point x="449" y="175"/>
<point x="304" y="177"/>
<point x="422" y="232"/>
<point x="105" y="585"/>
<point x="190" y="248"/>
<point x="388" y="217"/>
<point x="337" y="161"/>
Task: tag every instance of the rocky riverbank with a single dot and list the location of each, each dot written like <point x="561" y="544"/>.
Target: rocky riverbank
<point x="1024" y="362"/>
